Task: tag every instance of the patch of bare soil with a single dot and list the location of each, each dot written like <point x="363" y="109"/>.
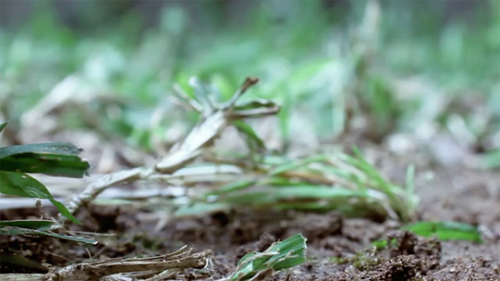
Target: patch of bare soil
<point x="338" y="248"/>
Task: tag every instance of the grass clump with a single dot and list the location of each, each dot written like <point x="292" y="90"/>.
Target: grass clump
<point x="347" y="183"/>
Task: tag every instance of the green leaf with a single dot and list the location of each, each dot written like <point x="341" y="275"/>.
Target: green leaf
<point x="232" y="186"/>
<point x="281" y="255"/>
<point x="23" y="185"/>
<point x="296" y="164"/>
<point x="292" y="252"/>
<point x="31" y="224"/>
<point x="446" y="230"/>
<point x="255" y="104"/>
<point x="382" y="244"/>
<point x="49" y="164"/>
<point x="283" y="181"/>
<point x="2" y="126"/>
<point x="276" y="194"/>
<point x="57" y="148"/>
<point x="56" y="159"/>
<point x="248" y="131"/>
<point x="10" y="230"/>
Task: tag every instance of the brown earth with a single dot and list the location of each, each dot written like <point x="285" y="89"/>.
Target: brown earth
<point x="338" y="248"/>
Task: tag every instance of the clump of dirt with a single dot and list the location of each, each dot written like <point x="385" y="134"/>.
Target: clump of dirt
<point x="409" y="257"/>
<point x="406" y="257"/>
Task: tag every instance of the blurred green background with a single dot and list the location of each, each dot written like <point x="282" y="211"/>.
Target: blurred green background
<point x="380" y="71"/>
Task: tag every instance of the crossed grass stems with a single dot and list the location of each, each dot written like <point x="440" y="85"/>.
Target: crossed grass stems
<point x="347" y="183"/>
<point x="338" y="181"/>
<point x="259" y="180"/>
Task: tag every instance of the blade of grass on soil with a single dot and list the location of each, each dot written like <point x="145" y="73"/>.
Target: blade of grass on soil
<point x="23" y="185"/>
<point x="281" y="255"/>
<point x="2" y="126"/>
<point x="399" y="198"/>
<point x="446" y="230"/>
<point x="31" y="224"/>
<point x="338" y="182"/>
<point x="11" y="230"/>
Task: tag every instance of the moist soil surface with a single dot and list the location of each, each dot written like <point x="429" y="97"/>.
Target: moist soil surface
<point x="338" y="248"/>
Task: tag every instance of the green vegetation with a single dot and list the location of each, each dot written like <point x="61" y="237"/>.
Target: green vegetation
<point x="281" y="255"/>
<point x="56" y="159"/>
<point x="304" y="67"/>
<point x="446" y="230"/>
<point x="333" y="79"/>
<point x="324" y="182"/>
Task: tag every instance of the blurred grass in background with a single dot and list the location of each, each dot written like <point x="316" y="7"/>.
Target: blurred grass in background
<point x="337" y="67"/>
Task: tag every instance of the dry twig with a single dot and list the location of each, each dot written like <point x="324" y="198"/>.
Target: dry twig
<point x="116" y="269"/>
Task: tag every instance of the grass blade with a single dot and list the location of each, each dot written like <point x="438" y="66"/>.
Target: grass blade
<point x="57" y="159"/>
<point x="31" y="224"/>
<point x="23" y="185"/>
<point x="2" y="126"/>
<point x="252" y="137"/>
<point x="296" y="164"/>
<point x="449" y="230"/>
<point x="281" y="255"/>
<point x="10" y="230"/>
<point x="58" y="148"/>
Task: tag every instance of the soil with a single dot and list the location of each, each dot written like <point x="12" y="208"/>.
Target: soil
<point x="338" y="248"/>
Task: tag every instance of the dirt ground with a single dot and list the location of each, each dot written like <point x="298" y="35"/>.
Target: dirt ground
<point x="338" y="248"/>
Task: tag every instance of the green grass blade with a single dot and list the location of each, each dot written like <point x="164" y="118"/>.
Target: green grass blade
<point x="232" y="186"/>
<point x="58" y="148"/>
<point x="2" y="126"/>
<point x="292" y="252"/>
<point x="23" y="185"/>
<point x="281" y="255"/>
<point x="57" y="159"/>
<point x="31" y="224"/>
<point x="254" y="104"/>
<point x="446" y="230"/>
<point x="49" y="164"/>
<point x="277" y="194"/>
<point x="287" y="166"/>
<point x="10" y="230"/>
<point x="250" y="134"/>
<point x="398" y="197"/>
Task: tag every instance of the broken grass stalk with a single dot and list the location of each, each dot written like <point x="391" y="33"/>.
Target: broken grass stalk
<point x="179" y="156"/>
<point x="215" y="120"/>
<point x="116" y="269"/>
